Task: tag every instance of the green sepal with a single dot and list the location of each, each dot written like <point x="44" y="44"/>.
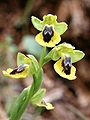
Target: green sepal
<point x="57" y="51"/>
<point x="20" y="104"/>
<point x="38" y="96"/>
<point x="22" y="59"/>
<point x="61" y="27"/>
<point x="76" y="56"/>
<point x="67" y="49"/>
<point x="64" y="49"/>
<point x="52" y="55"/>
<point x="37" y="23"/>
<point x="49" y="19"/>
<point x="65" y="46"/>
<point x="30" y="60"/>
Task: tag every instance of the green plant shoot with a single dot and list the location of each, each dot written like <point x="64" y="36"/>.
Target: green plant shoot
<point x="64" y="54"/>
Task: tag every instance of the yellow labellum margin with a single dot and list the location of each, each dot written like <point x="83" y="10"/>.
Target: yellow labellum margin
<point x="48" y="106"/>
<point x="20" y="74"/>
<point x="54" y="40"/>
<point x="60" y="70"/>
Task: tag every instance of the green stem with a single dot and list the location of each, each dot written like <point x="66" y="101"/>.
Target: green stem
<point x="43" y="54"/>
<point x="38" y="80"/>
<point x="24" y="20"/>
<point x="27" y="11"/>
<point x="47" y="59"/>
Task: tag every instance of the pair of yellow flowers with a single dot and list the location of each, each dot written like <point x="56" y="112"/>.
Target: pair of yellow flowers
<point x="48" y="37"/>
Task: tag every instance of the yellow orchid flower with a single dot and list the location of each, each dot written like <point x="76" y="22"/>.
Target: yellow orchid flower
<point x="65" y="68"/>
<point x="50" y="30"/>
<point x="48" y="37"/>
<point x="20" y="72"/>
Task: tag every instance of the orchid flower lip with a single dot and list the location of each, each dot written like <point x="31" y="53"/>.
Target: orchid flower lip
<point x="43" y="102"/>
<point x="47" y="33"/>
<point x="66" y="63"/>
<point x="48" y="37"/>
<point x="68" y="71"/>
<point x="19" y="69"/>
<point x="19" y="72"/>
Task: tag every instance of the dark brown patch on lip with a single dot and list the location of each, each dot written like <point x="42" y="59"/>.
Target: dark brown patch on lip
<point x="66" y="63"/>
<point x="47" y="33"/>
<point x="19" y="69"/>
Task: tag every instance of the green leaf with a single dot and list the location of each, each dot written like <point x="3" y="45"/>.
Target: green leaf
<point x="20" y="104"/>
<point x="38" y="96"/>
<point x="37" y="23"/>
<point x="61" y="27"/>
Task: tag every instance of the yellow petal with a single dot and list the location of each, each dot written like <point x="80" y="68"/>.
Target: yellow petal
<point x="54" y="40"/>
<point x="48" y="106"/>
<point x="59" y="69"/>
<point x="22" y="74"/>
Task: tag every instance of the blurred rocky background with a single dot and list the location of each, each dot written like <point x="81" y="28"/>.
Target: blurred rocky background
<point x="70" y="98"/>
